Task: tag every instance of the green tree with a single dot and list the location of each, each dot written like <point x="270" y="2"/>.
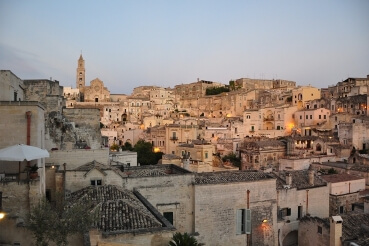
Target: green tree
<point x="145" y="153"/>
<point x="236" y="161"/>
<point x="127" y="146"/>
<point x="114" y="147"/>
<point x="232" y="85"/>
<point x="56" y="223"/>
<point x="216" y="90"/>
<point x="185" y="239"/>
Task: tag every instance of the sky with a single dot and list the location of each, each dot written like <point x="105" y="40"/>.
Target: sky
<point x="127" y="44"/>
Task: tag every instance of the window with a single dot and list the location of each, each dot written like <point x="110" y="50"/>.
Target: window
<point x="284" y="212"/>
<point x="243" y="221"/>
<point x="96" y="182"/>
<point x="206" y="155"/>
<point x="320" y="117"/>
<point x="299" y="212"/>
<point x="300" y="117"/>
<point x="320" y="230"/>
<point x="307" y="117"/>
<point x="341" y="210"/>
<point x="168" y="216"/>
<point x="325" y="117"/>
<point x="311" y="117"/>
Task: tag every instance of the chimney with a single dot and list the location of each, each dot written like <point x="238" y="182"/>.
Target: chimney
<point x="186" y="160"/>
<point x="366" y="205"/>
<point x="311" y="173"/>
<point x="335" y="231"/>
<point x="289" y="179"/>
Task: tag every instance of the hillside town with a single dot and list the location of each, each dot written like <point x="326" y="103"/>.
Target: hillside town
<point x="251" y="162"/>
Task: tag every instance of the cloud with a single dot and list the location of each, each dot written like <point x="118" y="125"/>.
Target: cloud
<point x="20" y="62"/>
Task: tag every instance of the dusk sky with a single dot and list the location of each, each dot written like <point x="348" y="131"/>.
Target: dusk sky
<point x="128" y="44"/>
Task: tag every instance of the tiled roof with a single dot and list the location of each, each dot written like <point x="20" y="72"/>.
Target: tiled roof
<point x="355" y="227"/>
<point x="99" y="166"/>
<point x="342" y="177"/>
<point x="360" y="167"/>
<point x="230" y="177"/>
<point x="300" y="180"/>
<point x="170" y="157"/>
<point x="153" y="171"/>
<point x="119" y="210"/>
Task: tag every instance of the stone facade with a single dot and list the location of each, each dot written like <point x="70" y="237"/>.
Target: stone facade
<point x="261" y="153"/>
<point x="303" y="94"/>
<point x="217" y="202"/>
<point x="11" y="87"/>
<point x="77" y="157"/>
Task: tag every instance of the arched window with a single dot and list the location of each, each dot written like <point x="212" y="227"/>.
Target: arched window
<point x="318" y="147"/>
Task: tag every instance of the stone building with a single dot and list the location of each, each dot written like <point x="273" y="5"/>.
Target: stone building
<point x="251" y="84"/>
<point x="355" y="134"/>
<point x="195" y="90"/>
<point x="11" y="87"/>
<point x="349" y="87"/>
<point x="299" y="194"/>
<point x="21" y="123"/>
<point x="307" y="118"/>
<point x="200" y="155"/>
<point x="343" y="192"/>
<point x="261" y="153"/>
<point x="302" y="94"/>
<point x="157" y="137"/>
<point x="269" y="122"/>
<point x="179" y="133"/>
<point x="123" y="158"/>
<point x="336" y="230"/>
<point x="138" y="223"/>
<point x="96" y="92"/>
<point x="230" y="208"/>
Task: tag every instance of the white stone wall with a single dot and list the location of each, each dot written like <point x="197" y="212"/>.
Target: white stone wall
<point x="215" y="212"/>
<point x="77" y="157"/>
<point x="76" y="180"/>
<point x="173" y="193"/>
<point x="10" y="84"/>
<point x="346" y="187"/>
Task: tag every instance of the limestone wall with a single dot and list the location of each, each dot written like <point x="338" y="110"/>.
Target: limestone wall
<point x="77" y="157"/>
<point x="10" y="84"/>
<point x="172" y="193"/>
<point x="308" y="233"/>
<point x="344" y="201"/>
<point x="129" y="239"/>
<point x="87" y="125"/>
<point x="215" y="212"/>
<point x="76" y="180"/>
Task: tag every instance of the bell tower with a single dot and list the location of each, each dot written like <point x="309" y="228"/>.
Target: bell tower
<point x="80" y="81"/>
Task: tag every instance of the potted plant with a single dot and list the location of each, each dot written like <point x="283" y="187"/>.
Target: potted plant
<point x="33" y="171"/>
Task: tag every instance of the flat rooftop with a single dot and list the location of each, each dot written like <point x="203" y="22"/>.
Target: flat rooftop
<point x="337" y="178"/>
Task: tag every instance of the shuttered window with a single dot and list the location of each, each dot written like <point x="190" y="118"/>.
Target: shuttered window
<point x="243" y="221"/>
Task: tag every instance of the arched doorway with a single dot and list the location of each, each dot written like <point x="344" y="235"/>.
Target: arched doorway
<point x="291" y="239"/>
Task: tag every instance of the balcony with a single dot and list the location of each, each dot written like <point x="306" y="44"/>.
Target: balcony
<point x="173" y="138"/>
<point x="269" y="118"/>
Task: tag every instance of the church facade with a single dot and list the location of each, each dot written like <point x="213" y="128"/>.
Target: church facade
<point x="96" y="92"/>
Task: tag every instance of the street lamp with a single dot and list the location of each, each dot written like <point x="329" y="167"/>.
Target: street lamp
<point x="2" y="214"/>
